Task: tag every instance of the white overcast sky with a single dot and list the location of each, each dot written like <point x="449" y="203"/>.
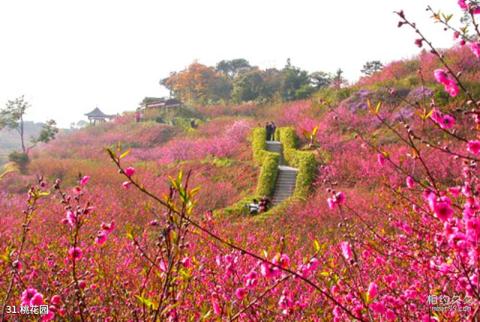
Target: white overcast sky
<point x="69" y="56"/>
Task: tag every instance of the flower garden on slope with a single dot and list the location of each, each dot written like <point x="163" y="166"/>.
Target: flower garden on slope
<point x="391" y="232"/>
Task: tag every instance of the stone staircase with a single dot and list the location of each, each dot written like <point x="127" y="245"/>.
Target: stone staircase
<point x="285" y="185"/>
<point x="287" y="176"/>
<point x="276" y="146"/>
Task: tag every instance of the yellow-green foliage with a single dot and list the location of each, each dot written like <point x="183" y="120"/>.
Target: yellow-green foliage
<point x="332" y="96"/>
<point x="218" y="162"/>
<point x="8" y="168"/>
<point x="278" y="210"/>
<point x="268" y="174"/>
<point x="240" y="207"/>
<point x="267" y="160"/>
<point x="304" y="161"/>
<point x="259" y="144"/>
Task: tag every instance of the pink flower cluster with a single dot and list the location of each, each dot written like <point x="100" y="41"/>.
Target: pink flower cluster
<point x="447" y="81"/>
<point x="473" y="147"/>
<point x="105" y="230"/>
<point x="337" y="198"/>
<point x="32" y="298"/>
<point x="445" y="121"/>
<point x="473" y="8"/>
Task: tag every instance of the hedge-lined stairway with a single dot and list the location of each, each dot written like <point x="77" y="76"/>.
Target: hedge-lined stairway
<point x="286" y="177"/>
<point x="286" y="173"/>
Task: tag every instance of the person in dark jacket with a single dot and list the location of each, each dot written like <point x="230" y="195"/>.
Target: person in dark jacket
<point x="273" y="130"/>
<point x="268" y="128"/>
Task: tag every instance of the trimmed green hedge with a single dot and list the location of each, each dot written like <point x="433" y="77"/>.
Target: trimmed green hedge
<point x="268" y="174"/>
<point x="240" y="207"/>
<point x="268" y="161"/>
<point x="304" y="161"/>
<point x="259" y="144"/>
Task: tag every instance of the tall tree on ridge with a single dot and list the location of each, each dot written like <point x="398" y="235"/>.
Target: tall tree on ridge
<point x="11" y="117"/>
<point x="372" y="67"/>
<point x="232" y="68"/>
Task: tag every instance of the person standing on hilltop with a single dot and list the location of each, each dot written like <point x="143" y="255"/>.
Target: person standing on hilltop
<point x="268" y="128"/>
<point x="273" y="129"/>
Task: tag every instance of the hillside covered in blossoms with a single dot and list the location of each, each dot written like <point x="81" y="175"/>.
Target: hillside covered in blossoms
<point x="146" y="219"/>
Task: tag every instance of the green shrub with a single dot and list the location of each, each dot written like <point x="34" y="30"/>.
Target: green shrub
<point x="238" y="208"/>
<point x="278" y="210"/>
<point x="259" y="144"/>
<point x="307" y="168"/>
<point x="20" y="159"/>
<point x="268" y="174"/>
<point x="333" y="96"/>
<point x="304" y="161"/>
<point x="186" y="123"/>
<point x="288" y="137"/>
<point x="218" y="162"/>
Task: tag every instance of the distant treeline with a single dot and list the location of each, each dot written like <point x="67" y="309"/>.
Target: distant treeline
<point x="237" y="81"/>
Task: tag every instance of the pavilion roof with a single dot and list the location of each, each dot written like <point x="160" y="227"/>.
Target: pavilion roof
<point x="97" y="113"/>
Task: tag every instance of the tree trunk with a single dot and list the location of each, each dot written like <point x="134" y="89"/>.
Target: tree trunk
<point x="21" y="135"/>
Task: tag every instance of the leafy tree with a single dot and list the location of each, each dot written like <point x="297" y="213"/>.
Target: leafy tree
<point x="320" y="79"/>
<point x="12" y="117"/>
<point x="372" y="67"/>
<point x="48" y="133"/>
<point x="272" y="83"/>
<point x="231" y="68"/>
<point x="220" y="89"/>
<point x="198" y="84"/>
<point x="248" y="86"/>
<point x="20" y="160"/>
<point x="304" y="92"/>
<point x="338" y="81"/>
<point x="296" y="83"/>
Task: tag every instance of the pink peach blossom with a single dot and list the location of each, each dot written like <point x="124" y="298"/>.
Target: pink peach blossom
<point x="55" y="300"/>
<point x="381" y="159"/>
<point x="443" y="210"/>
<point x="84" y="180"/>
<point x="441" y="76"/>
<point x="101" y="238"/>
<point x="346" y="250"/>
<point x="27" y="295"/>
<point x="372" y="290"/>
<point x="108" y="228"/>
<point x="240" y="293"/>
<point x="71" y="218"/>
<point x="75" y="253"/>
<point x="475" y="48"/>
<point x="473" y="147"/>
<point x="129" y="172"/>
<point x="410" y="182"/>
